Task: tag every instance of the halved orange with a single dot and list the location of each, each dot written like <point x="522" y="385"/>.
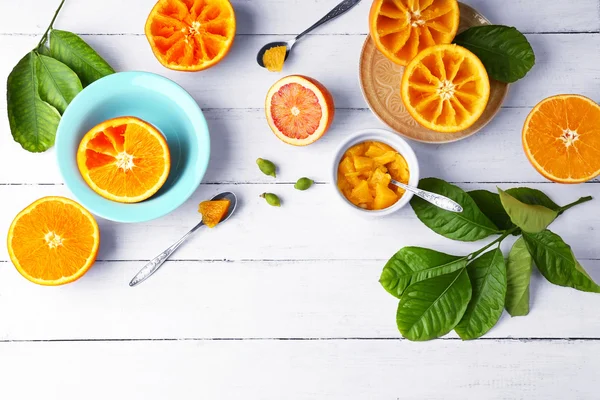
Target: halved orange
<point x="561" y="138"/>
<point x="299" y="110"/>
<point x="403" y="28"/>
<point x="53" y="241"/>
<point x="124" y="159"/>
<point x="445" y="88"/>
<point x="191" y="35"/>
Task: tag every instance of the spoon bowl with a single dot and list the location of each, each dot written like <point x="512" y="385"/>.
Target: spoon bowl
<point x="263" y="50"/>
<point x="232" y="203"/>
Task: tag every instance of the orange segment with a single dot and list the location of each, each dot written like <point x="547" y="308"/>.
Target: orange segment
<point x="402" y="28"/>
<point x="53" y="241"/>
<point x="445" y="88"/>
<point x="213" y="211"/>
<point x="274" y="58"/>
<point x="378" y="163"/>
<point x="124" y="159"/>
<point x="191" y="35"/>
<point x="561" y="138"/>
<point x="299" y="110"/>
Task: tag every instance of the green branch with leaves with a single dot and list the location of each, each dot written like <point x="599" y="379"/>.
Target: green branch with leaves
<point x="45" y="81"/>
<point x="439" y="292"/>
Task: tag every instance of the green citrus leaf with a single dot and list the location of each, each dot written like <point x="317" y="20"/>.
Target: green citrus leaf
<point x="57" y="83"/>
<point x="414" y="264"/>
<point x="518" y="274"/>
<point x="71" y="50"/>
<point x="432" y="308"/>
<point x="556" y="261"/>
<point x="468" y="226"/>
<point x="529" y="218"/>
<point x="503" y="50"/>
<point x="44" y="49"/>
<point x="33" y="122"/>
<point x="489" y="203"/>
<point x="488" y="280"/>
<point x="533" y="197"/>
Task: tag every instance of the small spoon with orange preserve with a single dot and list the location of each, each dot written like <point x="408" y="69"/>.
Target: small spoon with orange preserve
<point x="214" y="212"/>
<point x="273" y="55"/>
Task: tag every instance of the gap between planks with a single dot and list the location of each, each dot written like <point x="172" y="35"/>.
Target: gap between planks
<point x="265" y="260"/>
<point x="237" y="183"/>
<point x="261" y="109"/>
<point x="298" y="339"/>
<point x="590" y="32"/>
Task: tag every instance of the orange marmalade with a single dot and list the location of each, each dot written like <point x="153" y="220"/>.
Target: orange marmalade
<point x="365" y="172"/>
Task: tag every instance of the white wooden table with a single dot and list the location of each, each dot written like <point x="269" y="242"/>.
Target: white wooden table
<point x="285" y="303"/>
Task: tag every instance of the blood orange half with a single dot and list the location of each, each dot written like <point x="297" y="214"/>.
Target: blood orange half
<point x="299" y="110"/>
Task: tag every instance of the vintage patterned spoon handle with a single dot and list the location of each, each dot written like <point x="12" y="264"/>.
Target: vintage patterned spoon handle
<point x="149" y="269"/>
<point x="437" y="200"/>
<point x="336" y="12"/>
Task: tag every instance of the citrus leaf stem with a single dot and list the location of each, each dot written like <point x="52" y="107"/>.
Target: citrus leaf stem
<point x="498" y="240"/>
<point x="509" y="232"/>
<point x="575" y="203"/>
<point x="45" y="35"/>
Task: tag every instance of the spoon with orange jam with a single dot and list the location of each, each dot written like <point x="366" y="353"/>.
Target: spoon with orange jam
<point x="273" y="55"/>
<point x="216" y="211"/>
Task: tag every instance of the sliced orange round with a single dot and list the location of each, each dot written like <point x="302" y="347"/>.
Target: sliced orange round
<point x="561" y="138"/>
<point x="191" y="35"/>
<point x="299" y="110"/>
<point x="445" y="88"/>
<point x="402" y="28"/>
<point x="53" y="241"/>
<point x="124" y="159"/>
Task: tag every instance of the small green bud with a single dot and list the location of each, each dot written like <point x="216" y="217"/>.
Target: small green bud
<point x="271" y="199"/>
<point x="303" y="183"/>
<point x="267" y="167"/>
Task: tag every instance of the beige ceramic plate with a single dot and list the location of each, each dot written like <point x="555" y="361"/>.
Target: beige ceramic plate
<point x="380" y="81"/>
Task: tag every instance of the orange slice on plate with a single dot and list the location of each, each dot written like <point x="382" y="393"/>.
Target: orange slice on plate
<point x="299" y="110"/>
<point x="561" y="138"/>
<point x="53" y="241"/>
<point x="445" y="88"/>
<point x="403" y="28"/>
<point x="124" y="159"/>
<point x="191" y="35"/>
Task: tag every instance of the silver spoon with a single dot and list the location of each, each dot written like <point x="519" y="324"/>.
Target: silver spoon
<point x="153" y="266"/>
<point x="436" y="199"/>
<point x="336" y="12"/>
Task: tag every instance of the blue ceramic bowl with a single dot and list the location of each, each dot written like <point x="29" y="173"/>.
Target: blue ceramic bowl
<point x="154" y="99"/>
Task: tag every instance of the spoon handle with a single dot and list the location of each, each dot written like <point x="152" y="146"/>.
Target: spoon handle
<point x="437" y="200"/>
<point x="336" y="12"/>
<point x="149" y="269"/>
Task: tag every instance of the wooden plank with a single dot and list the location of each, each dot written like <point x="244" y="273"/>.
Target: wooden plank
<point x="239" y="137"/>
<point x="286" y="16"/>
<point x="563" y="66"/>
<point x="254" y="299"/>
<point x="301" y="370"/>
<point x="310" y="225"/>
